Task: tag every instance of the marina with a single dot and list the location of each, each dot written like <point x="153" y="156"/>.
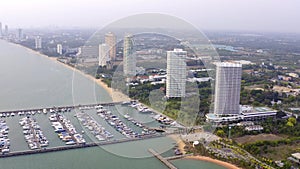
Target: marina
<point x="121" y="127"/>
<point x="73" y="127"/>
<point x="96" y="129"/>
<point x="62" y="148"/>
<point x="33" y="134"/>
<point x="53" y="109"/>
<point x="4" y="140"/>
<point x="49" y="84"/>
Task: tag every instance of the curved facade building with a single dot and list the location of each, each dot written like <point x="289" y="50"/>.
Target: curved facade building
<point x="227" y="89"/>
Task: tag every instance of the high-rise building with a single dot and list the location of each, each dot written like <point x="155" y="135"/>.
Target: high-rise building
<point x="59" y="49"/>
<point x="110" y="41"/>
<point x="227" y="88"/>
<point x="104" y="55"/>
<point x="38" y="42"/>
<point x="176" y="73"/>
<point x="129" y="58"/>
<point x="20" y="34"/>
<point x="1" y="34"/>
<point x="6" y="30"/>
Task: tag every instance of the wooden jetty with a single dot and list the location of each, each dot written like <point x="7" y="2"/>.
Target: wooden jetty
<point x="178" y="157"/>
<point x="163" y="160"/>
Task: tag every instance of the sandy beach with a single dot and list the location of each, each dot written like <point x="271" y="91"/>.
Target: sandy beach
<point x="208" y="159"/>
<point x="115" y="95"/>
<point x="181" y="145"/>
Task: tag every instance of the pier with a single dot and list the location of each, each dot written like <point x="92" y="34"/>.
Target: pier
<point x="162" y="159"/>
<point x="178" y="157"/>
<point x="57" y="109"/>
<point x="69" y="147"/>
<point x="60" y="108"/>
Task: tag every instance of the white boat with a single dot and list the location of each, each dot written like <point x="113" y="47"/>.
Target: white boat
<point x="5" y="150"/>
<point x="100" y="138"/>
<point x="71" y="142"/>
<point x="99" y="107"/>
<point x="126" y="116"/>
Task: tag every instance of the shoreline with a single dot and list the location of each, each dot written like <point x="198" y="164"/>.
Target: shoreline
<point x="181" y="144"/>
<point x="116" y="96"/>
<point x="215" y="161"/>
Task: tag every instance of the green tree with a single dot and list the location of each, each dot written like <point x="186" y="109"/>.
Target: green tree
<point x="290" y="124"/>
<point x="292" y="120"/>
<point x="220" y="133"/>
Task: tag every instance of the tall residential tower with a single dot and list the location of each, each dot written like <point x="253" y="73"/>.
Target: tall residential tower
<point x="176" y="73"/>
<point x="59" y="49"/>
<point x="104" y="55"/>
<point x="129" y="58"/>
<point x="110" y="41"/>
<point x="38" y="42"/>
<point x="227" y="89"/>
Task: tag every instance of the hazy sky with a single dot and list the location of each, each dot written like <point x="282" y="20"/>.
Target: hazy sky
<point x="253" y="15"/>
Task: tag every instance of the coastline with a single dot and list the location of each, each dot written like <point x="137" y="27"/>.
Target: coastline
<point x="215" y="161"/>
<point x="116" y="96"/>
<point x="181" y="144"/>
<point x="119" y="97"/>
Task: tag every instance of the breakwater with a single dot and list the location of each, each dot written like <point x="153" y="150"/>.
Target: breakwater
<point x="69" y="147"/>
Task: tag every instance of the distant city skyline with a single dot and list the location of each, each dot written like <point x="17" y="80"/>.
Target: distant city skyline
<point x="232" y="15"/>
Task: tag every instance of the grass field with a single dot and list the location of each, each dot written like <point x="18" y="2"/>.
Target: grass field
<point x="259" y="137"/>
<point x="281" y="152"/>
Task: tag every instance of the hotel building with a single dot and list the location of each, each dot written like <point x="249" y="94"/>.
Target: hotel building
<point x="104" y="55"/>
<point x="129" y="58"/>
<point x="110" y="41"/>
<point x="176" y="73"/>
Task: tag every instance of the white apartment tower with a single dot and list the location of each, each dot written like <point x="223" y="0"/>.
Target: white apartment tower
<point x="129" y="58"/>
<point x="38" y="42"/>
<point x="227" y="88"/>
<point x="59" y="49"/>
<point x="110" y="41"/>
<point x="176" y="73"/>
<point x="104" y="55"/>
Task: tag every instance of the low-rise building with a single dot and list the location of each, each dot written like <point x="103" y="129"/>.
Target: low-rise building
<point x="294" y="75"/>
<point x="247" y="113"/>
<point x="295" y="157"/>
<point x="254" y="128"/>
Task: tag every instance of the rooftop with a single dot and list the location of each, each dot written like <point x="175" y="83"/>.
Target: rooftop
<point x="246" y="109"/>
<point x="228" y="64"/>
<point x="296" y="155"/>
